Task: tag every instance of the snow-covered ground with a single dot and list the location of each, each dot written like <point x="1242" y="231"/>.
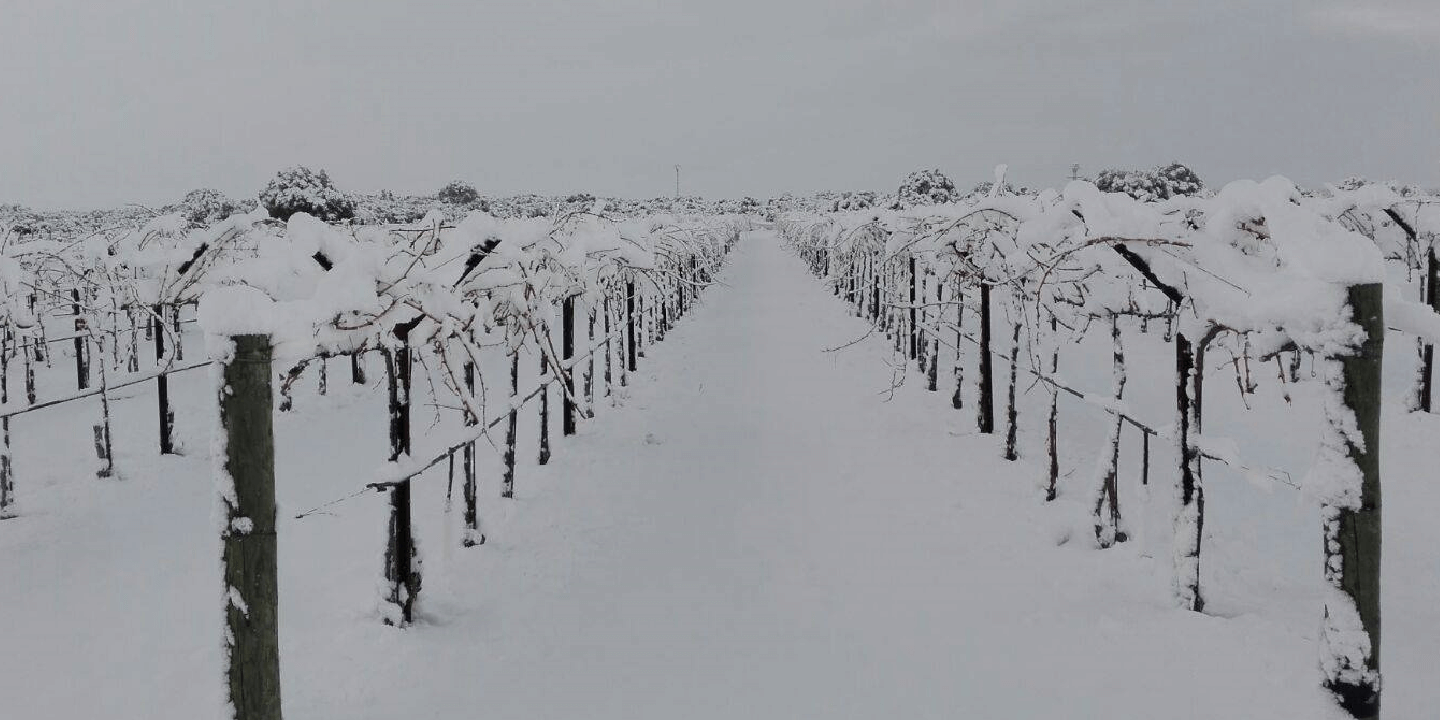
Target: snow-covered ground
<point x="758" y="530"/>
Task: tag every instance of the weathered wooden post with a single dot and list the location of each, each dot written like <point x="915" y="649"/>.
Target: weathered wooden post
<point x="512" y="429"/>
<point x="1190" y="515"/>
<point x="162" y="386"/>
<point x="987" y="374"/>
<point x="544" y="454"/>
<point x="567" y="350"/>
<point x="402" y="571"/>
<point x="1432" y="297"/>
<point x="1350" y="631"/>
<point x="914" y="329"/>
<point x="590" y="363"/>
<point x="246" y="483"/>
<point x="609" y="346"/>
<point x="473" y="536"/>
<point x="933" y="364"/>
<point x="1012" y="411"/>
<point x="82" y="359"/>
<point x="630" y="324"/>
<point x="7" y="480"/>
<point x="957" y="401"/>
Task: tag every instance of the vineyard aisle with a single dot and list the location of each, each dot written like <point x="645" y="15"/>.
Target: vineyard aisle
<point x="759" y="530"/>
<point x="760" y="534"/>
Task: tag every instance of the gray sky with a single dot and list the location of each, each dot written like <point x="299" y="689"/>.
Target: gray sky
<point x="110" y="101"/>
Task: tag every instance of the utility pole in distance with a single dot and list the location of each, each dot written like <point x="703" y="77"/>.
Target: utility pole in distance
<point x="677" y="182"/>
<point x="1075" y="171"/>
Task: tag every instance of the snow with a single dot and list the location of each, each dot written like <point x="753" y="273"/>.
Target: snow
<point x="755" y="532"/>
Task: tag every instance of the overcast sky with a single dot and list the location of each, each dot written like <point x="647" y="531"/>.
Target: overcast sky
<point x="104" y="102"/>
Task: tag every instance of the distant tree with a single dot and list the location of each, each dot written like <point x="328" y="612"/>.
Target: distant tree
<point x="926" y="187"/>
<point x="459" y="193"/>
<point x="206" y="206"/>
<point x="1179" y="179"/>
<point x="1162" y="183"/>
<point x="300" y="189"/>
<point x="854" y="201"/>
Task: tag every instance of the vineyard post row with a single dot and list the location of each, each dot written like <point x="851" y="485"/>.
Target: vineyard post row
<point x="247" y="472"/>
<point x="880" y="281"/>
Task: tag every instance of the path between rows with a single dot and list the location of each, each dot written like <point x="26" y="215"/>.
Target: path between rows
<point x="760" y="533"/>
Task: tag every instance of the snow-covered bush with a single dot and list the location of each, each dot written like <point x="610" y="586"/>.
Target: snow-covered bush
<point x="458" y="193"/>
<point x="205" y="206"/>
<point x="300" y="189"/>
<point x="926" y="187"/>
<point x="1162" y="183"/>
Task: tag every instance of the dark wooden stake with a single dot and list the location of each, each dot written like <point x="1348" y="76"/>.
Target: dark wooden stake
<point x="247" y="489"/>
<point x="1353" y="533"/>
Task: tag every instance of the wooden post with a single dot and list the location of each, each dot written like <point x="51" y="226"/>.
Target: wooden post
<point x="1106" y="509"/>
<point x="1052" y="434"/>
<point x="987" y="375"/>
<point x="247" y="490"/>
<point x="512" y="429"/>
<point x="402" y="572"/>
<point x="357" y="369"/>
<point x="7" y="480"/>
<point x="609" y="346"/>
<point x="1350" y="632"/>
<point x="957" y="400"/>
<point x="933" y="363"/>
<point x="1190" y="515"/>
<point x="630" y="323"/>
<point x="544" y="455"/>
<point x="567" y="351"/>
<point x="1427" y="367"/>
<point x="82" y="359"/>
<point x="590" y="363"/>
<point x="473" y="536"/>
<point x="162" y="387"/>
<point x="914" y="329"/>
<point x="1012" y="412"/>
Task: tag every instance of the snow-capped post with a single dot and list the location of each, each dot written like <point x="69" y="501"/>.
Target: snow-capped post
<point x="874" y="293"/>
<point x="102" y="431"/>
<point x="1190" y="514"/>
<point x="1432" y="297"/>
<point x="630" y="325"/>
<point x="987" y="375"/>
<point x="162" y="385"/>
<point x="246" y="483"/>
<point x="357" y="369"/>
<point x="30" y="372"/>
<point x="544" y="456"/>
<point x="933" y="367"/>
<point x="7" y="481"/>
<point x="914" y="329"/>
<point x="1052" y="432"/>
<point x="402" y="571"/>
<point x="512" y="429"/>
<point x="473" y="536"/>
<point x="922" y="358"/>
<point x="179" y="336"/>
<point x="609" y="346"/>
<point x="1106" y="509"/>
<point x="82" y="360"/>
<point x="567" y="351"/>
<point x="1012" y="412"/>
<point x="957" y="400"/>
<point x="590" y="363"/>
<point x="1350" y="631"/>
